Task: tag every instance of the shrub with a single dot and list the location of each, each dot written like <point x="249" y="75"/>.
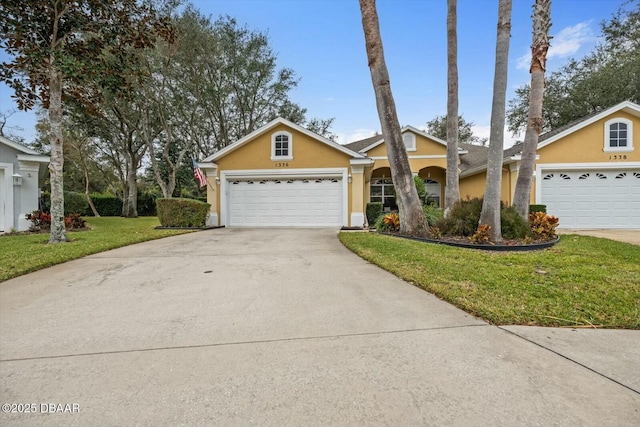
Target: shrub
<point x="543" y="226"/>
<point x="432" y="214"/>
<point x="75" y="221"/>
<point x="392" y="221"/>
<point x="463" y="218"/>
<point x="513" y="225"/>
<point x="107" y="204"/>
<point x="374" y="210"/>
<point x="147" y="203"/>
<point x="75" y="203"/>
<point x="39" y="220"/>
<point x="482" y="234"/>
<point x="420" y="187"/>
<point x="182" y="212"/>
<point x="388" y="222"/>
<point x="537" y="208"/>
<point x="42" y="221"/>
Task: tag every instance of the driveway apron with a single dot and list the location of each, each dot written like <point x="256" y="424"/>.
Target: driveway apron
<point x="272" y="327"/>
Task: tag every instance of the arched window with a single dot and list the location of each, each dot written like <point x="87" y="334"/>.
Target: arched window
<point x="618" y="135"/>
<point x="409" y="140"/>
<point x="433" y="192"/>
<point x="281" y="146"/>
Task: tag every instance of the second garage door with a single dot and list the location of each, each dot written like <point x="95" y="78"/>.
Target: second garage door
<point x="299" y="202"/>
<point x="593" y="198"/>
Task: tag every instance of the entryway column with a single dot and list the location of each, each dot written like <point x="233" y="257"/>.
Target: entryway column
<point x="358" y="189"/>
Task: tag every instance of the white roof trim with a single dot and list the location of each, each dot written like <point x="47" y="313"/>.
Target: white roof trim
<point x="627" y="106"/>
<point x="416" y="131"/>
<point x="34" y="158"/>
<point x="18" y="146"/>
<point x="280" y="121"/>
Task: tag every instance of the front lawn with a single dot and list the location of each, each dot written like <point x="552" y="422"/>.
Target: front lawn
<point x="582" y="281"/>
<point x="21" y="254"/>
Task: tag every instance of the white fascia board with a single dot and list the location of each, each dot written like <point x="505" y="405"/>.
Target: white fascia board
<point x="423" y="133"/>
<point x="369" y="147"/>
<point x="280" y="121"/>
<point x="34" y="158"/>
<point x="207" y="165"/>
<point x="627" y="106"/>
<point x="18" y="147"/>
<point x="365" y="161"/>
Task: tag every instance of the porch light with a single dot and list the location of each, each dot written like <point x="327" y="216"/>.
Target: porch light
<point x="217" y="180"/>
<point x="17" y="179"/>
<point x="349" y="179"/>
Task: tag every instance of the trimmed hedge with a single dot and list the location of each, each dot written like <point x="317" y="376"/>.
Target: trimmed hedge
<point x="73" y="203"/>
<point x="182" y="212"/>
<point x="537" y="208"/>
<point x="374" y="210"/>
<point x="107" y="205"/>
<point x="147" y="204"/>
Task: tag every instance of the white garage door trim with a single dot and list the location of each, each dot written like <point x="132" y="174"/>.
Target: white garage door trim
<point x="232" y="175"/>
<point x="546" y="168"/>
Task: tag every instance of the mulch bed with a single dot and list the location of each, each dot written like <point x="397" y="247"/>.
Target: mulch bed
<point x="465" y="242"/>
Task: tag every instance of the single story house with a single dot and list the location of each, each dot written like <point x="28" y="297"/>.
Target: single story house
<point x="22" y="171"/>
<point x="587" y="173"/>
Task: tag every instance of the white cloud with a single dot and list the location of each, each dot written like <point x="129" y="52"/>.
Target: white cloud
<point x="355" y="135"/>
<point x="563" y="44"/>
<point x="328" y="99"/>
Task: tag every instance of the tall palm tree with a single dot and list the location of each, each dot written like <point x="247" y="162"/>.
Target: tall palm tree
<point x="452" y="190"/>
<point x="412" y="220"/>
<point x="491" y="206"/>
<point x="539" y="47"/>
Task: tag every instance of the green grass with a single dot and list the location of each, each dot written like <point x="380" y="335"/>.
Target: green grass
<point x="23" y="253"/>
<point x="580" y="281"/>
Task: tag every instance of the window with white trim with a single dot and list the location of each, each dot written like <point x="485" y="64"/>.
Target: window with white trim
<point x="281" y="146"/>
<point x="433" y="191"/>
<point x="409" y="140"/>
<point x="618" y="135"/>
<point x="382" y="190"/>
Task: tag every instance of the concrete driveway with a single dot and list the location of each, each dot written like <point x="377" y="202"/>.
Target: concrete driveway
<point x="628" y="236"/>
<point x="285" y="327"/>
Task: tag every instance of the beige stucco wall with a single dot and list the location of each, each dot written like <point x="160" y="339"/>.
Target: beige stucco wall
<point x="308" y="153"/>
<point x="435" y="164"/>
<point x="473" y="186"/>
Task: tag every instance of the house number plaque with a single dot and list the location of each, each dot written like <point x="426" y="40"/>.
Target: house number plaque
<point x="618" y="157"/>
<point x="282" y="165"/>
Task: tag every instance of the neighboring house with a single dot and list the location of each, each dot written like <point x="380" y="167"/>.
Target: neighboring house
<point x="22" y="170"/>
<point x="587" y="173"/>
<point x="285" y="175"/>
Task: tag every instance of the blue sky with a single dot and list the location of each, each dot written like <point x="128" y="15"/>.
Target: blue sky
<point x="322" y="41"/>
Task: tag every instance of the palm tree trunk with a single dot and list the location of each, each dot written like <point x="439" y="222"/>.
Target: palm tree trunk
<point x="452" y="190"/>
<point x="491" y="205"/>
<point x="412" y="221"/>
<point x="539" y="48"/>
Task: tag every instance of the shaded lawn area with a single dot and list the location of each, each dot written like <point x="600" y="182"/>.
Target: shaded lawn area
<point x="24" y="253"/>
<point x="580" y="281"/>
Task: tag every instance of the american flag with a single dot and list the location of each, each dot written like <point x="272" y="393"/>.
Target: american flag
<point x="197" y="172"/>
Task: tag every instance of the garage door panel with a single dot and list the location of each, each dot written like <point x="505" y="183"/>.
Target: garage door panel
<point x="593" y="199"/>
<point x="285" y="202"/>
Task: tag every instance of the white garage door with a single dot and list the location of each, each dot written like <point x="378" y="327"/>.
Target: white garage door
<point x="593" y="199"/>
<point x="285" y="202"/>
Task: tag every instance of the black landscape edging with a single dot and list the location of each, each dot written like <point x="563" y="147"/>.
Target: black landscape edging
<point x="498" y="248"/>
<point x="212" y="227"/>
